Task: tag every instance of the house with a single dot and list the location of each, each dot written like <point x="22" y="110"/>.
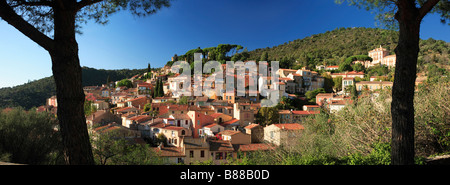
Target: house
<point x="131" y="122"/>
<point x="212" y="129"/>
<point x="52" y="101"/>
<point x="219" y="118"/>
<point x="373" y="85"/>
<point x="177" y="109"/>
<point x="235" y="137"/>
<point x="381" y="56"/>
<point x="280" y="86"/>
<point x="337" y="105"/>
<point x="117" y="97"/>
<point x="282" y="134"/>
<point x="285" y="116"/>
<point x="264" y="83"/>
<point x="311" y="107"/>
<point x="152" y="128"/>
<point x="353" y="74"/>
<point x="322" y="98"/>
<point x="125" y="110"/>
<point x="296" y="85"/>
<point x="298" y="116"/>
<point x="321" y="67"/>
<point x="105" y="92"/>
<point x="220" y="150"/>
<point x="118" y="131"/>
<point x="256" y="131"/>
<point x="330" y="68"/>
<point x="244" y="113"/>
<point x="290" y="84"/>
<point x="178" y="85"/>
<point x="173" y="134"/>
<point x="144" y="88"/>
<point x="181" y="120"/>
<point x="162" y="99"/>
<point x="316" y="82"/>
<point x="199" y="120"/>
<point x="195" y="149"/>
<point x="170" y="155"/>
<point x="285" y="72"/>
<point x="100" y="105"/>
<point x="228" y="110"/>
<point x="137" y="102"/>
<point x="229" y="97"/>
<point x="347" y="81"/>
<point x="102" y="117"/>
<point x="232" y="124"/>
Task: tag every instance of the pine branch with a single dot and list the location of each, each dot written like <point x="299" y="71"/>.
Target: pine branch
<point x="11" y="17"/>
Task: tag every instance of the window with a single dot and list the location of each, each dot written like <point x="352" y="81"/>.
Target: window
<point x="202" y="153"/>
<point x="191" y="153"/>
<point x="271" y="134"/>
<point x="198" y="122"/>
<point x="183" y="132"/>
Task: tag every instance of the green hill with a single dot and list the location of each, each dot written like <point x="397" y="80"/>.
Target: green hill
<point x="34" y="93"/>
<point x="333" y="47"/>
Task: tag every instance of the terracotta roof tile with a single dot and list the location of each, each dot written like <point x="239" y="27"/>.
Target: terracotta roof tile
<point x="290" y="126"/>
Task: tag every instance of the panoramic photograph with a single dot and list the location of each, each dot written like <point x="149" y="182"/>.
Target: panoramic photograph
<point x="224" y="82"/>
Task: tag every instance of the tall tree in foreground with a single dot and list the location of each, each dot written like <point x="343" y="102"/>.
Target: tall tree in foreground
<point x="37" y="19"/>
<point x="408" y="15"/>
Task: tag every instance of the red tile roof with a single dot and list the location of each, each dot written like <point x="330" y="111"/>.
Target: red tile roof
<point x="221" y="146"/>
<point x="169" y="151"/>
<point x="301" y="112"/>
<point x="234" y="120"/>
<point x="251" y="126"/>
<point x="290" y="126"/>
<point x="229" y="132"/>
<point x="215" y="115"/>
<point x="254" y="147"/>
<point x="210" y="125"/>
<point x="140" y="118"/>
<point x="173" y="128"/>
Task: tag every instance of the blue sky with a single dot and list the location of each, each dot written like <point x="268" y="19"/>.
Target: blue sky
<point x="132" y="42"/>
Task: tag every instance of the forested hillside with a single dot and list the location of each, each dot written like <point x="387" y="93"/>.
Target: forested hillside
<point x="34" y="93"/>
<point x="333" y="47"/>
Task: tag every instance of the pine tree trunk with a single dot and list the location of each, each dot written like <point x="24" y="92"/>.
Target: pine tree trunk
<point x="70" y="96"/>
<point x="402" y="106"/>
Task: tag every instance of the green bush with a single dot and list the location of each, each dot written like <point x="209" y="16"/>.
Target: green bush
<point x="28" y="137"/>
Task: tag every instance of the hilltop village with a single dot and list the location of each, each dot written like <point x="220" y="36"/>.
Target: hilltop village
<point x="148" y="109"/>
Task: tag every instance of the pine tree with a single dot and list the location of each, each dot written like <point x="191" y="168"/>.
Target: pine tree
<point x="160" y="88"/>
<point x="148" y="71"/>
<point x="156" y="90"/>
